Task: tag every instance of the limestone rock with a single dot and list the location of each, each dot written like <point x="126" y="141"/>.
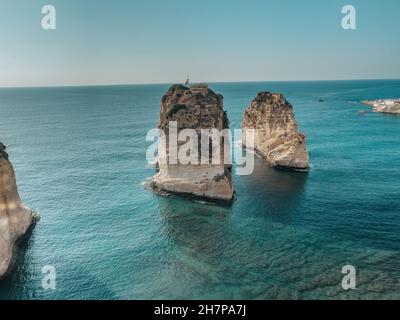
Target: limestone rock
<point x="276" y="137"/>
<point x="15" y="218"/>
<point x="197" y="108"/>
<point x="391" y="106"/>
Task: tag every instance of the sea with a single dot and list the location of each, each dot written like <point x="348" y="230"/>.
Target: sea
<point x="79" y="154"/>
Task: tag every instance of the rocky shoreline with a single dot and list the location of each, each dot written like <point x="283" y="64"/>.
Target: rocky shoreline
<point x="391" y="106"/>
<point x="16" y="220"/>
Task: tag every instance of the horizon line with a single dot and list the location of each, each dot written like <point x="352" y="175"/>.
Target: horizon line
<point x="171" y="83"/>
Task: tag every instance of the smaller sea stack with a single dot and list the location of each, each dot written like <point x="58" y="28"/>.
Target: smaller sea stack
<point x="276" y="137"/>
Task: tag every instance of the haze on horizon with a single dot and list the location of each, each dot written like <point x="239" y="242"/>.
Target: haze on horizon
<point x="155" y="41"/>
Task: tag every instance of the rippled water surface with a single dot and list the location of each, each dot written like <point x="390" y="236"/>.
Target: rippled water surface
<point x="79" y="156"/>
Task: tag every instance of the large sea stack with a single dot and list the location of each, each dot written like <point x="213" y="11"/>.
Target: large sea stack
<point x="197" y="108"/>
<point x="15" y="218"/>
<point x="276" y="137"/>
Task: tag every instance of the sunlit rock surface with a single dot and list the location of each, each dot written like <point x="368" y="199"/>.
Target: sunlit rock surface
<point x="276" y="137"/>
<point x="391" y="106"/>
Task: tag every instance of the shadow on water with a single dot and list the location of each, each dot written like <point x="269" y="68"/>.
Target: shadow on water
<point x="192" y="223"/>
<point x="10" y="286"/>
<point x="270" y="192"/>
<point x="198" y="235"/>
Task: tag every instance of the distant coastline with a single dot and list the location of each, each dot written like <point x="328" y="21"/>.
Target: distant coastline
<point x="83" y="85"/>
<point x="391" y="106"/>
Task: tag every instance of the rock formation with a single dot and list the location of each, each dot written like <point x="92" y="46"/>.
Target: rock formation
<point x="197" y="108"/>
<point x="15" y="218"/>
<point x="391" y="106"/>
<point x="276" y="137"/>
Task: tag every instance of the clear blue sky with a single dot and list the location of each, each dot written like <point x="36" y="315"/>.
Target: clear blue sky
<point x="154" y="41"/>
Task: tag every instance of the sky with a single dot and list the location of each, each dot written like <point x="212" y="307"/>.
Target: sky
<point x="160" y="41"/>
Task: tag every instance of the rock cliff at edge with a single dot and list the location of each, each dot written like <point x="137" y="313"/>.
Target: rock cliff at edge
<point x="194" y="108"/>
<point x="276" y="137"/>
<point x="15" y="218"/>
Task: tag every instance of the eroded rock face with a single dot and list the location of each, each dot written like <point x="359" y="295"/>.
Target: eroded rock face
<point x="15" y="218"/>
<point x="276" y="137"/>
<point x="194" y="108"/>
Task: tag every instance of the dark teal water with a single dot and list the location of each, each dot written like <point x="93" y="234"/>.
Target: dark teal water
<point x="79" y="155"/>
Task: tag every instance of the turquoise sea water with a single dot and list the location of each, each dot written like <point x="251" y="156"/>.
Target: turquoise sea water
<point x="79" y="156"/>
